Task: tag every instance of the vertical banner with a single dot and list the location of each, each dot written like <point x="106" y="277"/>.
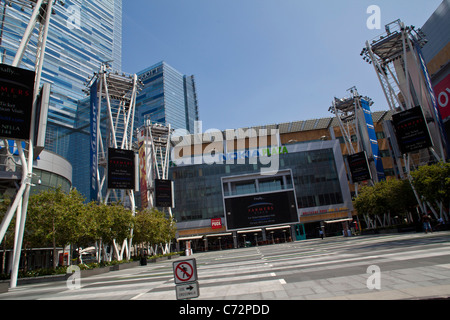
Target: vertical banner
<point x="434" y="104"/>
<point x="442" y="90"/>
<point x="142" y="140"/>
<point x="373" y="140"/>
<point x="16" y="102"/>
<point x="94" y="134"/>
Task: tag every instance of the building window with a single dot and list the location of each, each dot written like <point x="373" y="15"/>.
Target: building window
<point x="380" y="135"/>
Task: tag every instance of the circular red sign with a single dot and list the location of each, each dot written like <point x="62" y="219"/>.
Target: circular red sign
<point x="184" y="271"/>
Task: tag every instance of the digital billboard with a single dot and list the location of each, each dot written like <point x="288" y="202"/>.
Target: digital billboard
<point x="121" y="169"/>
<point x="261" y="210"/>
<point x="16" y="102"/>
<point x="163" y="193"/>
<point x="359" y="167"/>
<point x="411" y="130"/>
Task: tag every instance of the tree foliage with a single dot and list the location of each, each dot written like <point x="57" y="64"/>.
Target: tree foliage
<point x="432" y="182"/>
<point x="152" y="227"/>
<point x="393" y="195"/>
<point x="56" y="219"/>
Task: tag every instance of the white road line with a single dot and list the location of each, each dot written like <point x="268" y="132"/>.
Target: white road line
<point x="139" y="295"/>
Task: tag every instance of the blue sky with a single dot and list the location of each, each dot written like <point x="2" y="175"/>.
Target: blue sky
<point x="259" y="62"/>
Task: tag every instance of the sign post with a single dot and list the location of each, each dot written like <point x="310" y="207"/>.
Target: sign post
<point x="185" y="277"/>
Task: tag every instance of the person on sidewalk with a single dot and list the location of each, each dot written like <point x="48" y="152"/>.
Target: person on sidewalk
<point x="426" y="219"/>
<point x="321" y="233"/>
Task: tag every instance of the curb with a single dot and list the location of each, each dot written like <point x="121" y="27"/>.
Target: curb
<point x="4" y="285"/>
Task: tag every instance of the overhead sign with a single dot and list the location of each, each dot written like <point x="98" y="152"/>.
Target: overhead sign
<point x="359" y="167"/>
<point x="411" y="130"/>
<point x="261" y="210"/>
<point x="121" y="169"/>
<point x="185" y="271"/>
<point x="163" y="193"/>
<point x="16" y="102"/>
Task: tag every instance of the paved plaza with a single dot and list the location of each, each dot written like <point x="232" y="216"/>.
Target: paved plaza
<point x="411" y="266"/>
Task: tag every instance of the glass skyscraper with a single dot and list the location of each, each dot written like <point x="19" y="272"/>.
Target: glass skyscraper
<point x="82" y="35"/>
<point x="168" y="97"/>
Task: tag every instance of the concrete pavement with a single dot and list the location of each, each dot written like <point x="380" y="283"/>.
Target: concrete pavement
<point x="411" y="266"/>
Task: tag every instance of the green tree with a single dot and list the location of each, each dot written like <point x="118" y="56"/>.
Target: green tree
<point x="54" y="219"/>
<point x="432" y="182"/>
<point x="152" y="227"/>
<point x="379" y="202"/>
<point x="109" y="223"/>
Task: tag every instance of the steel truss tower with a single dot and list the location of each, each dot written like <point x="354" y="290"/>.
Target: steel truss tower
<point x="401" y="70"/>
<point x="398" y="62"/>
<point x="154" y="158"/>
<point x="40" y="19"/>
<point x="354" y="118"/>
<point x="113" y="95"/>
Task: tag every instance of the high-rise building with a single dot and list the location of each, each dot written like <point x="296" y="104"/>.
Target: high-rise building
<point x="82" y="34"/>
<point x="168" y="97"/>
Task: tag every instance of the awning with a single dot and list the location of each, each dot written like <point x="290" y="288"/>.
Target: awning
<point x="340" y="220"/>
<point x="189" y="238"/>
<point x="250" y="231"/>
<point x="219" y="235"/>
<point x="278" y="228"/>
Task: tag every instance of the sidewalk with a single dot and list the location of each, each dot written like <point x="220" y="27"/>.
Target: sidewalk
<point x="416" y="293"/>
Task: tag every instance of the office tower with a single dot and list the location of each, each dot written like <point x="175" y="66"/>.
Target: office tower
<point x="168" y="97"/>
<point x="82" y="35"/>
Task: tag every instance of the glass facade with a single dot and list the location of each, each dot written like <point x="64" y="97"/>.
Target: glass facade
<point x="168" y="97"/>
<point x="82" y="35"/>
<point x="316" y="179"/>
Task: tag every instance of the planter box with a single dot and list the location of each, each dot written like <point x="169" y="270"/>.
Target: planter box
<point x="124" y="266"/>
<point x="94" y="272"/>
<point x="129" y="265"/>
<point x="159" y="259"/>
<point x="4" y="286"/>
<point x="114" y="268"/>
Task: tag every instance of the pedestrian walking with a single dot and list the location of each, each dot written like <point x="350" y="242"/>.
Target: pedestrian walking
<point x="321" y="233"/>
<point x="426" y="219"/>
<point x="440" y="225"/>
